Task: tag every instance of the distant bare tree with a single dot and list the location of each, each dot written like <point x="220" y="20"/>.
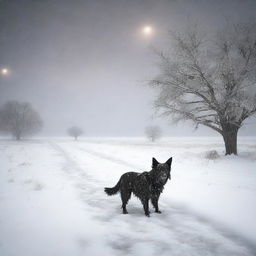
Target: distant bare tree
<point x="75" y="132"/>
<point x="20" y="119"/>
<point x="210" y="80"/>
<point x="153" y="132"/>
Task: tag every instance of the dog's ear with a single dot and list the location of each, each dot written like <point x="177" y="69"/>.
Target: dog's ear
<point x="154" y="163"/>
<point x="169" y="161"/>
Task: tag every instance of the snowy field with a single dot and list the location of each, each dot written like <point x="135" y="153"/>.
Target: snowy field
<point x="52" y="200"/>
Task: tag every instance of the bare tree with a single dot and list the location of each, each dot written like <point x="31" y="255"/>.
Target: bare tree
<point x="153" y="132"/>
<point x="20" y="119"/>
<point x="210" y="80"/>
<point x="75" y="132"/>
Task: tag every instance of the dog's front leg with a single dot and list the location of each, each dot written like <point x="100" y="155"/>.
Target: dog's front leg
<point x="146" y="208"/>
<point x="154" y="201"/>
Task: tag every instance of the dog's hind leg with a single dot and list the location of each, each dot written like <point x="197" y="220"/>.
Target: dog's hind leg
<point x="125" y="196"/>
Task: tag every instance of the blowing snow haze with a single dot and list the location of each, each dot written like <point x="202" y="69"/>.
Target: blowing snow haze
<point x="85" y="62"/>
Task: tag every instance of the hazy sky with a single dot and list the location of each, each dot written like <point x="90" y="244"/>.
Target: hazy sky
<point x="85" y="62"/>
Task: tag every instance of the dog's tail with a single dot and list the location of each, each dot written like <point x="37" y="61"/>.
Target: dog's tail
<point x="114" y="190"/>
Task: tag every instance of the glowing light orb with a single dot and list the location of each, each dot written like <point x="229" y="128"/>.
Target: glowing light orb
<point x="147" y="30"/>
<point x="4" y="71"/>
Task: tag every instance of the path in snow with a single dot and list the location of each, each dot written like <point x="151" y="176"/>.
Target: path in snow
<point x="175" y="232"/>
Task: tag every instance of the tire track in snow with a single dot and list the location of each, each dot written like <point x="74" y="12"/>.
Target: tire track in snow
<point x="87" y="185"/>
<point x="184" y="232"/>
<point x="110" y="158"/>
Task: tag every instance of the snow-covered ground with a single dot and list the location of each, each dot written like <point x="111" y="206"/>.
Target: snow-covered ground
<point x="52" y="200"/>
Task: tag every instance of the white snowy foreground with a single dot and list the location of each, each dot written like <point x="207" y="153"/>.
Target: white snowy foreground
<point x="52" y="201"/>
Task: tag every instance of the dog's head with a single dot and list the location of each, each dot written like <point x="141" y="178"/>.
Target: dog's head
<point x="162" y="172"/>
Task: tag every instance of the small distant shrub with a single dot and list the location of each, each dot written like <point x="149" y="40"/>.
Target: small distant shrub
<point x="211" y="155"/>
<point x="38" y="186"/>
<point x="75" y="132"/>
<point x="153" y="132"/>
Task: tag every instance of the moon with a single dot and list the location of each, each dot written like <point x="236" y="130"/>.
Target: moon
<point x="147" y="30"/>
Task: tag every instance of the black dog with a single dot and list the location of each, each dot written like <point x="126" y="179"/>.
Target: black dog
<point x="146" y="185"/>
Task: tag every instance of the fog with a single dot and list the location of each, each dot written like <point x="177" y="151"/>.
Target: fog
<point x="86" y="62"/>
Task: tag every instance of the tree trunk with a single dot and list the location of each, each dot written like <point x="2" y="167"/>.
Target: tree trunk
<point x="17" y="136"/>
<point x="230" y="139"/>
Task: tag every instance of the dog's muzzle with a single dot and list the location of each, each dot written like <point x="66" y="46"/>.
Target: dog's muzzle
<point x="163" y="178"/>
